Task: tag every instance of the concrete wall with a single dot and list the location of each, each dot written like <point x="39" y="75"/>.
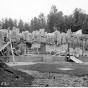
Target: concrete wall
<point x="41" y="58"/>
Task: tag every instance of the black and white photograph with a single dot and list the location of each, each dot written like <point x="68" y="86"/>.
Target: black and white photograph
<point x="43" y="43"/>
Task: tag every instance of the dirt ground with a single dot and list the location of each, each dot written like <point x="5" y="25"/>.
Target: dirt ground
<point x="56" y="80"/>
<point x="44" y="74"/>
<point x="49" y="74"/>
<point x="10" y="77"/>
<point x="54" y="67"/>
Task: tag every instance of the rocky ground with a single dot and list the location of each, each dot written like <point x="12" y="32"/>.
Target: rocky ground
<point x="57" y="80"/>
<point x="46" y="76"/>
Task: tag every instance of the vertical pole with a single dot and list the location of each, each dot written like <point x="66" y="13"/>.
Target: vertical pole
<point x="82" y="47"/>
<point x="11" y="46"/>
<point x="68" y="51"/>
<point x="26" y="52"/>
<point x="12" y="51"/>
<point x="37" y="51"/>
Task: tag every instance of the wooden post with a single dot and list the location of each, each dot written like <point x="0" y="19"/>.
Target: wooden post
<point x="11" y="46"/>
<point x="82" y="47"/>
<point x="25" y="52"/>
<point x="68" y="50"/>
<point x="12" y="51"/>
<point x="37" y="51"/>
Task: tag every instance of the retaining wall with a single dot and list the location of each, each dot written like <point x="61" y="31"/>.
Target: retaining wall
<point x="39" y="58"/>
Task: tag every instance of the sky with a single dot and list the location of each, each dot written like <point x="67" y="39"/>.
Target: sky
<point x="27" y="9"/>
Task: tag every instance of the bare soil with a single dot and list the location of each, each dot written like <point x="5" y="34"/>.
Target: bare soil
<point x="44" y="75"/>
<point x="10" y="77"/>
<point x="49" y="74"/>
<point x="56" y="80"/>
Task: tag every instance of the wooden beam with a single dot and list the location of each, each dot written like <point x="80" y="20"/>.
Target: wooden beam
<point x="11" y="47"/>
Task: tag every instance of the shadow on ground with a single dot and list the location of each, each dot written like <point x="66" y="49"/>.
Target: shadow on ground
<point x="10" y="77"/>
<point x="79" y="69"/>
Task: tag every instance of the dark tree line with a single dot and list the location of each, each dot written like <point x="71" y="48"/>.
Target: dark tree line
<point x="76" y="21"/>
